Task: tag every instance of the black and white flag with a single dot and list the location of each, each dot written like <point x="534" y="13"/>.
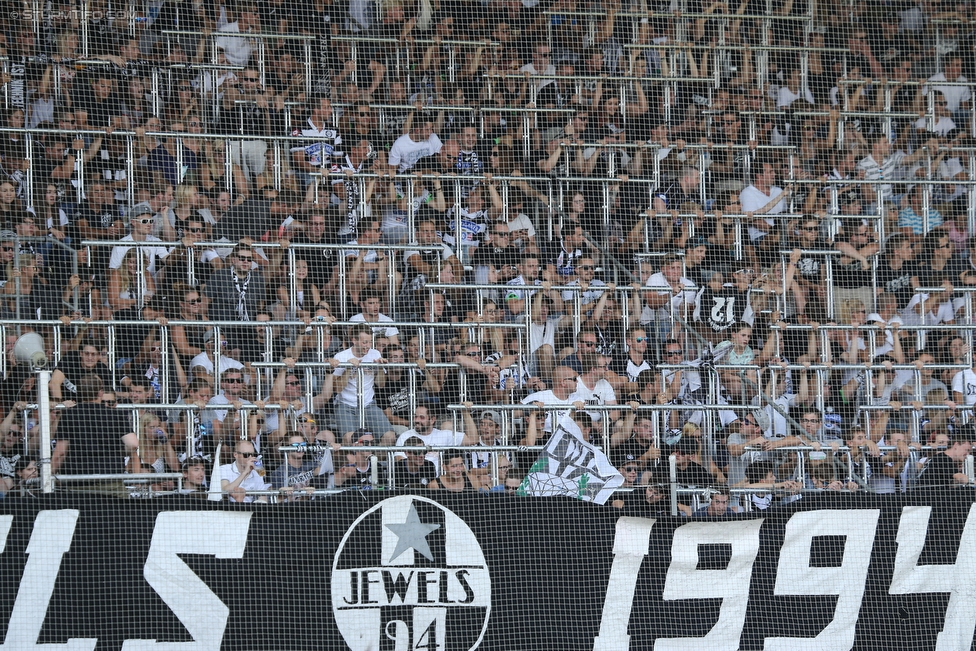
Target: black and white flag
<point x="570" y="466"/>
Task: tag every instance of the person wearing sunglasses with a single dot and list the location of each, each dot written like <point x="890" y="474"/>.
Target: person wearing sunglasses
<point x="141" y="222"/>
<point x="590" y="286"/>
<point x="240" y="476"/>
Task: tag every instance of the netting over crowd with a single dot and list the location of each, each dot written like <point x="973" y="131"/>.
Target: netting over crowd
<point x="739" y="236"/>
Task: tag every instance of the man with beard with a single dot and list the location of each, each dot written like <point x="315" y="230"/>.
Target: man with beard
<point x="423" y="429"/>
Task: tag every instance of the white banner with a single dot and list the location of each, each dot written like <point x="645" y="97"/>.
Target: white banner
<point x="570" y="466"/>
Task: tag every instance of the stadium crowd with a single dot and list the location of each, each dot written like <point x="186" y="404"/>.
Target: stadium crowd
<point x="747" y="226"/>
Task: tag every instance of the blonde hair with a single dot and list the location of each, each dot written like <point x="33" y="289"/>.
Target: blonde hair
<point x="848" y="307"/>
<point x="183" y="193"/>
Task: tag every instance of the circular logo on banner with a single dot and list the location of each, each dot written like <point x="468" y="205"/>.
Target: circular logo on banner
<point x="410" y="575"/>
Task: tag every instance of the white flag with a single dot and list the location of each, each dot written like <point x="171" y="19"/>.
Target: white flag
<point x="570" y="466"/>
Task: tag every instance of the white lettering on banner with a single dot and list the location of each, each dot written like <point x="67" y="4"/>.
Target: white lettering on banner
<point x="50" y="539"/>
<point x="958" y="580"/>
<point x="795" y="576"/>
<point x="630" y="542"/>
<point x="5" y="522"/>
<point x="219" y="534"/>
<point x="686" y="581"/>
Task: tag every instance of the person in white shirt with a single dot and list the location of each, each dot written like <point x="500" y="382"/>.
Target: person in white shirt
<point x="592" y="388"/>
<point x="347" y="405"/>
<point x="763" y="198"/>
<point x="410" y="148"/>
<point x="240" y="476"/>
<point x="668" y="291"/>
<point x="957" y="97"/>
<point x="424" y="422"/>
<point x="370" y="304"/>
<point x="141" y="222"/>
<point x="964" y="387"/>
<point x="564" y="383"/>
<point x="237" y="49"/>
<point x="541" y="65"/>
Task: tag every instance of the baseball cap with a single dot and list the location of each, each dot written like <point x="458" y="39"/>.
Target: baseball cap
<point x="358" y="434"/>
<point x="139" y="211"/>
<point x="762" y="419"/>
<point x="491" y="414"/>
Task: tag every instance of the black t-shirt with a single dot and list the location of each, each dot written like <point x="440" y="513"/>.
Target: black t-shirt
<point x="929" y="277"/>
<point x="722" y="310"/>
<point x="939" y="471"/>
<point x="810" y="267"/>
<point x="490" y="256"/>
<point x="898" y="281"/>
<point x="250" y="219"/>
<point x="73" y="371"/>
<point x="694" y="475"/>
<point x="94" y="434"/>
<point x="395" y="395"/>
<point x="406" y="479"/>
<point x="321" y="262"/>
<point x="850" y="275"/>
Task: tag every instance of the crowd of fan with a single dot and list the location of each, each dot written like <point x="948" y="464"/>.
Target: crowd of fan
<point x="719" y="196"/>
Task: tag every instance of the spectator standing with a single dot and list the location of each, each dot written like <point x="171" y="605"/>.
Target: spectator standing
<point x="347" y="385"/>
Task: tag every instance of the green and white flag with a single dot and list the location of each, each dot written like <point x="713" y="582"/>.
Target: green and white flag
<point x="570" y="466"/>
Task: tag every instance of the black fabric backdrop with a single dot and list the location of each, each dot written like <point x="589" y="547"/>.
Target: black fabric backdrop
<point x="549" y="562"/>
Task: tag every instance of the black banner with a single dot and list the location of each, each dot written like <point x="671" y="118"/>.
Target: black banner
<point x="397" y="571"/>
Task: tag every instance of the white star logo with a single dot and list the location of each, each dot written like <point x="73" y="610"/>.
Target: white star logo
<point x="412" y="534"/>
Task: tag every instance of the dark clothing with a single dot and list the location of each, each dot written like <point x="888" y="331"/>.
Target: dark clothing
<point x="898" y="281"/>
<point x="938" y="471"/>
<point x="321" y="262"/>
<point x="73" y="371"/>
<point x="406" y="479"/>
<point x="94" y="434"/>
<point x="721" y="311"/>
<point x="929" y="277"/>
<point x="555" y="254"/>
<point x="299" y="478"/>
<point x="225" y="290"/>
<point x="490" y="256"/>
<point x="250" y="219"/>
<point x="694" y="475"/>
<point x="160" y="160"/>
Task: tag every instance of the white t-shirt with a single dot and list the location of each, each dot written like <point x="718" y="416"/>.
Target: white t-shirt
<point x="350" y="392"/>
<point x="151" y="252"/>
<point x="547" y="397"/>
<point x="684" y="297"/>
<point x="221" y="399"/>
<point x="954" y="95"/>
<point x="253" y="482"/>
<point x="436" y="438"/>
<point x="752" y="199"/>
<point x="964" y="382"/>
<point x="226" y="363"/>
<point x="601" y="394"/>
<point x="405" y="152"/>
<point x="378" y="331"/>
<point x="237" y="49"/>
<point x="542" y="334"/>
<point x="591" y="295"/>
<point x="540" y="83"/>
<point x="942" y="126"/>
